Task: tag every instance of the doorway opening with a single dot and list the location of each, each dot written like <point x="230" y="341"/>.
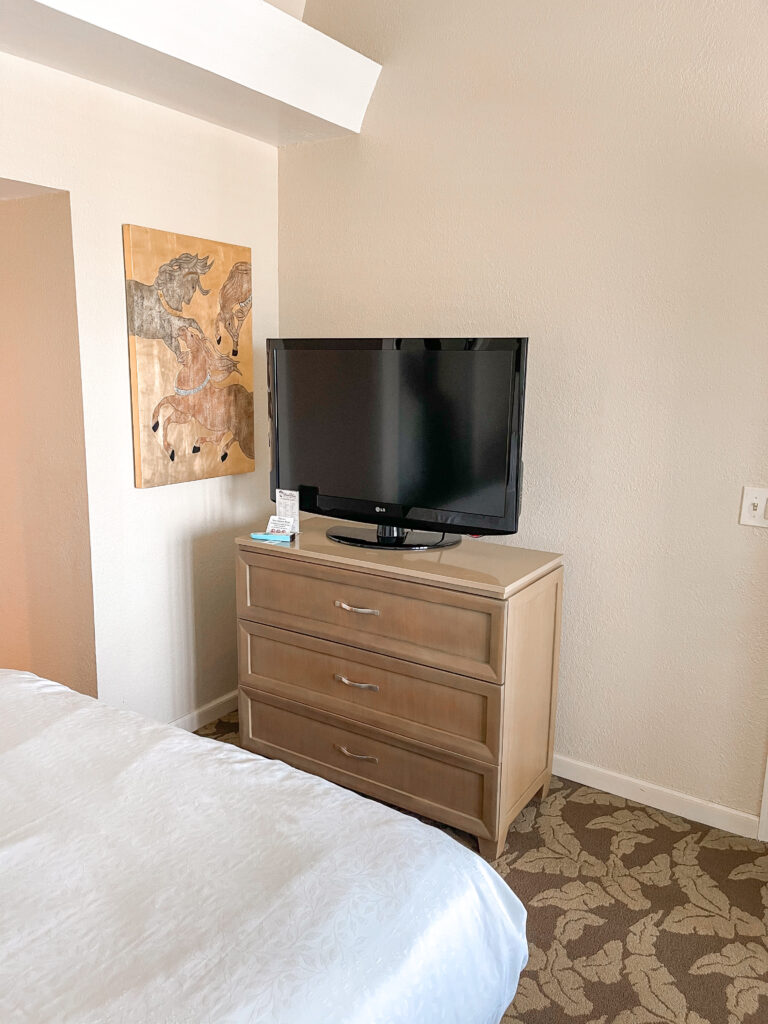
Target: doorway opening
<point x="46" y="600"/>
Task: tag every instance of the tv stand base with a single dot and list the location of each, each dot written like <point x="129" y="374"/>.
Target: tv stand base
<point x="391" y="537"/>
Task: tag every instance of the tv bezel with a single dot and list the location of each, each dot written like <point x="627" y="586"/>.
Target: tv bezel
<point x="436" y="520"/>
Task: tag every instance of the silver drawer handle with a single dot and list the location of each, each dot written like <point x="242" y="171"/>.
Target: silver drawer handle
<point x="360" y="611"/>
<point x="358" y="686"/>
<point x="358" y="757"/>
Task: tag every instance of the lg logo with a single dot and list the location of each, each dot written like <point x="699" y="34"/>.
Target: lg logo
<point x="380" y="508"/>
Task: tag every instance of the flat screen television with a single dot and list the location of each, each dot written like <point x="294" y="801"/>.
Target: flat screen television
<point x="420" y="436"/>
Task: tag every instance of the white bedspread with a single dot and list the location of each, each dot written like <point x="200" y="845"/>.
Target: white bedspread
<point x="148" y="876"/>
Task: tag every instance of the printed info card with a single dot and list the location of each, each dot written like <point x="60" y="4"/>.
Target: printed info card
<point x="288" y="508"/>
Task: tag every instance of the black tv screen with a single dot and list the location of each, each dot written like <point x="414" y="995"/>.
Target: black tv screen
<point x="416" y="432"/>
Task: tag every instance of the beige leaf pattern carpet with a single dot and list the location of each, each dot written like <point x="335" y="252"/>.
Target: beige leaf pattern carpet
<point x="634" y="916"/>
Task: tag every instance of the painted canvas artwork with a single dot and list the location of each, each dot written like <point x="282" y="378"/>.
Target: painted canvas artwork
<point x="191" y="356"/>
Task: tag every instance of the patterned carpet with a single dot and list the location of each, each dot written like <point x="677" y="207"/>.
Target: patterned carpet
<point x="634" y="916"/>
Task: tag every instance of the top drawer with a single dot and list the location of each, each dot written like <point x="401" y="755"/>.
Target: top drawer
<point x="427" y="625"/>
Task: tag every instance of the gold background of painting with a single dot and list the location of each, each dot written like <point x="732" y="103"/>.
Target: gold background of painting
<point x="154" y="366"/>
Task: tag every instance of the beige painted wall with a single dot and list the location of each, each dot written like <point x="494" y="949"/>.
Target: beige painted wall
<point x="46" y="600"/>
<point x="163" y="559"/>
<point x="592" y="174"/>
<point x="293" y="7"/>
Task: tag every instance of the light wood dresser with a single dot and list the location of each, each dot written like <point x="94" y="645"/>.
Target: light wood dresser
<point x="426" y="679"/>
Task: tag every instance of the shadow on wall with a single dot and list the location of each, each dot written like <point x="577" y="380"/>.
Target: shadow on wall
<point x="212" y="573"/>
<point x="209" y="563"/>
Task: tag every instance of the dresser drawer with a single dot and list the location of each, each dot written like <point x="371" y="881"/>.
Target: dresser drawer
<point x="427" y="625"/>
<point x="450" y="789"/>
<point x="444" y="710"/>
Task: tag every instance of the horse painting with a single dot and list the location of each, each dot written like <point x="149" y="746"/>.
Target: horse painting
<point x="192" y="396"/>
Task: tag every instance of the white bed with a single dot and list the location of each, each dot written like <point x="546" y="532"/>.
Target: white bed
<point x="148" y="876"/>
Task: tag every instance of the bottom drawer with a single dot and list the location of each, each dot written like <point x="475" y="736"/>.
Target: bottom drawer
<point x="448" y="788"/>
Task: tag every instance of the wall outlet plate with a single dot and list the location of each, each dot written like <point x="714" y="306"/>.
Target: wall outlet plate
<point x="754" y="506"/>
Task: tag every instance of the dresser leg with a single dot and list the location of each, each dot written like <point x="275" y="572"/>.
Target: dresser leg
<point x="492" y="849"/>
<point x="544" y="791"/>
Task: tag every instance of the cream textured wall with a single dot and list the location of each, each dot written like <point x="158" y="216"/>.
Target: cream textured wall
<point x="592" y="174"/>
<point x="163" y="561"/>
<point x="46" y="602"/>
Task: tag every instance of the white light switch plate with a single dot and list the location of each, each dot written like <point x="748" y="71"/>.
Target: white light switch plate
<point x="754" y="507"/>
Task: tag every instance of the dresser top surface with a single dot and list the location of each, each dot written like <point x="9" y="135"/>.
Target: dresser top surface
<point x="479" y="567"/>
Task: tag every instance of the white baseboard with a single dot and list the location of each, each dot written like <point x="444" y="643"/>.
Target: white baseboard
<point x="208" y="712"/>
<point x="670" y="800"/>
<point x="762" y="832"/>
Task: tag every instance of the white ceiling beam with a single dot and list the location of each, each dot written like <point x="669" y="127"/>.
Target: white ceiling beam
<point x="243" y="64"/>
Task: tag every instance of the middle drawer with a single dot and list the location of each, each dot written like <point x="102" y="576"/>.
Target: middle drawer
<point x="438" y="708"/>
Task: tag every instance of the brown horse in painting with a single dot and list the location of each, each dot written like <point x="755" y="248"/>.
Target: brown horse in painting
<point x="201" y="364"/>
<point x="234" y="303"/>
<point x="221" y="410"/>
